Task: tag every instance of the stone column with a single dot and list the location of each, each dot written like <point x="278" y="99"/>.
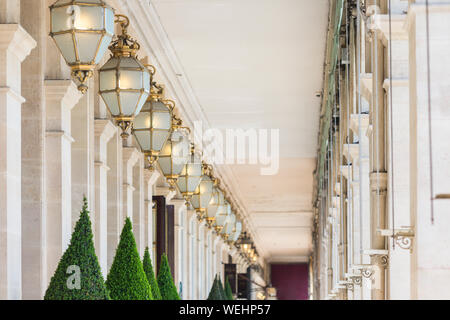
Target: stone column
<point x="138" y="204"/>
<point x="130" y="159"/>
<point x="15" y="45"/>
<point x="431" y="267"/>
<point x="114" y="189"/>
<point x="83" y="154"/>
<point x="200" y="260"/>
<point x="179" y="247"/>
<point x="61" y="96"/>
<point x="104" y="131"/>
<point x="192" y="253"/>
<point x="150" y="177"/>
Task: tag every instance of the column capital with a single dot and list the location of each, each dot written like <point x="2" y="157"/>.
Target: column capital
<point x="64" y="91"/>
<point x="105" y="128"/>
<point x="151" y="176"/>
<point x="165" y="192"/>
<point x="14" y="38"/>
<point x="130" y="155"/>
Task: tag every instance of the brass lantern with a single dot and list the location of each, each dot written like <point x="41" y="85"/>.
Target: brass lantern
<point x="229" y="226"/>
<point x="153" y="125"/>
<point x="82" y="31"/>
<point x="175" y="154"/>
<point x="203" y="194"/>
<point x="216" y="204"/>
<point x="190" y="176"/>
<point x="222" y="216"/>
<point x="236" y="232"/>
<point x="124" y="82"/>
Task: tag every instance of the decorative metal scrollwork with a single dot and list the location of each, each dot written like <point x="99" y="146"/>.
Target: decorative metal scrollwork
<point x="404" y="242"/>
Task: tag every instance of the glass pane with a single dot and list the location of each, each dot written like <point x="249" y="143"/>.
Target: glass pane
<point x="88" y="18"/>
<point x="193" y="183"/>
<point x="182" y="184"/>
<point x="62" y="19"/>
<point x="128" y="102"/>
<point x="159" y="138"/>
<point x="164" y="163"/>
<point x="107" y="80"/>
<point x="143" y="137"/>
<point x="130" y="62"/>
<point x="162" y="120"/>
<point x="130" y="79"/>
<point x="142" y="121"/>
<point x="141" y="102"/>
<point x="177" y="167"/>
<point x="146" y="79"/>
<point x="103" y="47"/>
<point x="109" y="17"/>
<point x="61" y="2"/>
<point x="111" y="102"/>
<point x="111" y="63"/>
<point x="87" y="44"/>
<point x="65" y="45"/>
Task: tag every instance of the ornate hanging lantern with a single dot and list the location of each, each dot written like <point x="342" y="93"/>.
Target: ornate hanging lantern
<point x="203" y="193"/>
<point x="245" y="243"/>
<point x="124" y="81"/>
<point x="175" y="153"/>
<point x="82" y="31"/>
<point x="216" y="204"/>
<point x="234" y="236"/>
<point x="229" y="226"/>
<point x="153" y="125"/>
<point x="222" y="216"/>
<point x="191" y="176"/>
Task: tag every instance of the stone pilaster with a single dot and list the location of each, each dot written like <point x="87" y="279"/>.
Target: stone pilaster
<point x="61" y="96"/>
<point x="15" y="45"/>
<point x="104" y="131"/>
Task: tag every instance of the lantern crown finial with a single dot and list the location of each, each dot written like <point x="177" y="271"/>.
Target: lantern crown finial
<point x="124" y="45"/>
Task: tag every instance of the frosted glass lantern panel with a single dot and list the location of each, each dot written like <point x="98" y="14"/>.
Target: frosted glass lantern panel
<point x="165" y="165"/>
<point x="106" y="40"/>
<point x="193" y="182"/>
<point x="181" y="182"/>
<point x="111" y="100"/>
<point x="129" y="102"/>
<point x="205" y="192"/>
<point x="87" y="44"/>
<point x="162" y="120"/>
<point x="62" y="19"/>
<point x="143" y="138"/>
<point x="88" y="17"/>
<point x="159" y="138"/>
<point x="130" y="79"/>
<point x="65" y="45"/>
<point x="142" y="121"/>
<point x="107" y="80"/>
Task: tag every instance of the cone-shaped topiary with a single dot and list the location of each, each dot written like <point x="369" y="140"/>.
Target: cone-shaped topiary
<point x="222" y="290"/>
<point x="228" y="291"/>
<point x="165" y="281"/>
<point x="126" y="279"/>
<point x="148" y="269"/>
<point x="215" y="293"/>
<point x="78" y="275"/>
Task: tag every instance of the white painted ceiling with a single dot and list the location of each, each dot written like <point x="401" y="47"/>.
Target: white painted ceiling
<point x="258" y="64"/>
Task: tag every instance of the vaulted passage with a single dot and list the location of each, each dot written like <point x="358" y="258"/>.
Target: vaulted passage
<point x="291" y="149"/>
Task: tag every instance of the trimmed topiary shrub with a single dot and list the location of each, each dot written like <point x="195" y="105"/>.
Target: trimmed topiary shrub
<point x="215" y="293"/>
<point x="228" y="291"/>
<point x="222" y="290"/>
<point x="126" y="279"/>
<point x="78" y="275"/>
<point x="148" y="269"/>
<point x="165" y="281"/>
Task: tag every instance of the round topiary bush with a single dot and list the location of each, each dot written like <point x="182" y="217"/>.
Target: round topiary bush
<point x="148" y="269"/>
<point x="78" y="275"/>
<point x="165" y="281"/>
<point x="126" y="279"/>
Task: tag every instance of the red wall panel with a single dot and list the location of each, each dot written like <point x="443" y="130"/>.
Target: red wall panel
<point x="291" y="281"/>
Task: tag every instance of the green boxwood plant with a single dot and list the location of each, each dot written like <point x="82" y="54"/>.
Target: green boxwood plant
<point x="126" y="279"/>
<point x="165" y="281"/>
<point x="148" y="269"/>
<point x="78" y="275"/>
